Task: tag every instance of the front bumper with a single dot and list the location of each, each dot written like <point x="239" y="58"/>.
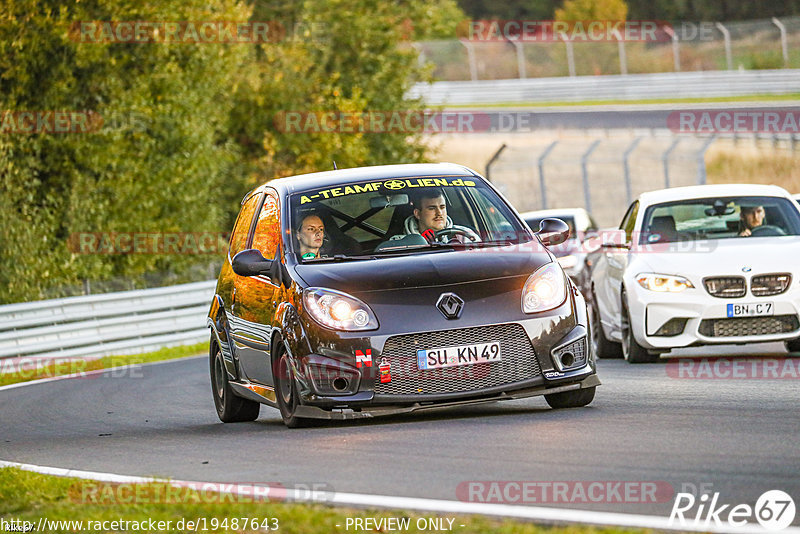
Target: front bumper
<point x="370" y="411"/>
<point x="706" y="318"/>
<point x="532" y="347"/>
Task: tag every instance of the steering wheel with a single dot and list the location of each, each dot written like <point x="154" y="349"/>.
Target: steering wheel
<point x="767" y="230"/>
<point x="451" y="232"/>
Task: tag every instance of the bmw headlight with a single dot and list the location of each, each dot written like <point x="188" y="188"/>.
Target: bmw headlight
<point x="545" y="289"/>
<point x="338" y="310"/>
<point x="663" y="283"/>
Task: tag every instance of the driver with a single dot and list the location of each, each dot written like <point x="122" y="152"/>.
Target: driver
<point x="750" y="217"/>
<point x="310" y="235"/>
<point x="430" y="216"/>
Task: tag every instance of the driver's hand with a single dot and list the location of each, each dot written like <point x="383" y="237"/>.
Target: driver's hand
<point x="429" y="235"/>
<point x="745" y="233"/>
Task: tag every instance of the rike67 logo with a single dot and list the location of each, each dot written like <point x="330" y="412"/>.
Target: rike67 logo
<point x="774" y="510"/>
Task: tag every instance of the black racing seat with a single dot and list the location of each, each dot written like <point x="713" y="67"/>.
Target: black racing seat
<point x="664" y="227"/>
<point x="397" y="223"/>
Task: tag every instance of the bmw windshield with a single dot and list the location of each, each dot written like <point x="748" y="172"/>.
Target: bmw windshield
<point x="720" y="218"/>
<point x="400" y="216"/>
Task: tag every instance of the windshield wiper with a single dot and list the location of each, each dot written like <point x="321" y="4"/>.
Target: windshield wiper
<point x="340" y="257"/>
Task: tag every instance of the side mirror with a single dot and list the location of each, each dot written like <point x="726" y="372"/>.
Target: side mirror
<point x="553" y="232"/>
<point x="250" y="262"/>
<point x="613" y="238"/>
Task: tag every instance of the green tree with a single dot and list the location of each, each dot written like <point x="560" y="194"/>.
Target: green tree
<point x="577" y="10"/>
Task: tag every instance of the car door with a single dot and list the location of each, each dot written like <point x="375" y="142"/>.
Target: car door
<point x="257" y="296"/>
<point x="610" y="271"/>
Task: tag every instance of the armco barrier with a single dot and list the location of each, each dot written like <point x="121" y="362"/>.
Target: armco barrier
<point x="610" y="87"/>
<point x="110" y="323"/>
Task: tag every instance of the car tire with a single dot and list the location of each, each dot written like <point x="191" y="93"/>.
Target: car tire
<point x="631" y="350"/>
<point x="286" y="389"/>
<point x="571" y="399"/>
<point x="793" y="345"/>
<point x="230" y="407"/>
<point x="602" y="347"/>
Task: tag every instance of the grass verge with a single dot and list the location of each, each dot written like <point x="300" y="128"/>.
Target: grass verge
<point x="26" y="371"/>
<point x="747" y="98"/>
<point x="26" y="496"/>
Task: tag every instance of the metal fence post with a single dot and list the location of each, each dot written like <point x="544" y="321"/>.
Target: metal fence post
<point x="520" y="59"/>
<point x="493" y="159"/>
<point x="623" y="59"/>
<point x="701" y="160"/>
<point x="665" y="160"/>
<point x="676" y="53"/>
<point x="542" y="186"/>
<point x="420" y="54"/>
<point x="626" y="167"/>
<point x="473" y="65"/>
<point x="784" y="41"/>
<point x="570" y="56"/>
<point x="585" y="171"/>
<point x="726" y="35"/>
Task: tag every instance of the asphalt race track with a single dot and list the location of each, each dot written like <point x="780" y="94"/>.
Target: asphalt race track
<point x="738" y="437"/>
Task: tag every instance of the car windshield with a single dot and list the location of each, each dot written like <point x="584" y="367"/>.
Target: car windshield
<point x="400" y="216"/>
<point x="720" y="218"/>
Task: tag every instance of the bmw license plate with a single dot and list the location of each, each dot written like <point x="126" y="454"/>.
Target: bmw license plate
<point x="460" y="355"/>
<point x="751" y="309"/>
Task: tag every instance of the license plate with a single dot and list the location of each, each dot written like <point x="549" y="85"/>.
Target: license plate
<point x="751" y="309"/>
<point x="459" y="355"/>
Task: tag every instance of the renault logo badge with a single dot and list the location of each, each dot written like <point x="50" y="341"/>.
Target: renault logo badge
<point x="450" y="305"/>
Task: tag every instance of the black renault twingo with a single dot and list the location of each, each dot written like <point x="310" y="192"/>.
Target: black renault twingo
<point x="380" y="290"/>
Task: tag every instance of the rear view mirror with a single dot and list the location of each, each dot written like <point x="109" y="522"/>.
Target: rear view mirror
<point x="392" y="200"/>
<point x="719" y="208"/>
<point x="553" y="232"/>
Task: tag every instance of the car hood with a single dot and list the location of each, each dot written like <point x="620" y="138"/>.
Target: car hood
<point x="423" y="270"/>
<point x="745" y="256"/>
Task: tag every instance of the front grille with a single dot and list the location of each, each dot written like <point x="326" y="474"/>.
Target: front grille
<point x="748" y="326"/>
<point x="726" y="287"/>
<point x="766" y="285"/>
<point x="518" y="361"/>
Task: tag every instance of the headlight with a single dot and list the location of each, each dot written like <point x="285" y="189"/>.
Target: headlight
<point x="567" y="262"/>
<point x="338" y="310"/>
<point x="663" y="283"/>
<point x="545" y="289"/>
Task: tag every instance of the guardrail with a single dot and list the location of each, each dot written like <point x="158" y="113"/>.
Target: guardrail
<point x="110" y="323"/>
<point x="610" y="87"/>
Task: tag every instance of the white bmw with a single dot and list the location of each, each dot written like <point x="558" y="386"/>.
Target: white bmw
<point x="711" y="264"/>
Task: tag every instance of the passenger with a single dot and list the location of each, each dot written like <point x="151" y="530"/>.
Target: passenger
<point x="750" y="217"/>
<point x="310" y="234"/>
<point x="430" y="216"/>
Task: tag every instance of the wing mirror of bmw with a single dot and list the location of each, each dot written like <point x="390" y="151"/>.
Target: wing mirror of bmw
<point x="251" y="262"/>
<point x="614" y="239"/>
<point x="553" y="232"/>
